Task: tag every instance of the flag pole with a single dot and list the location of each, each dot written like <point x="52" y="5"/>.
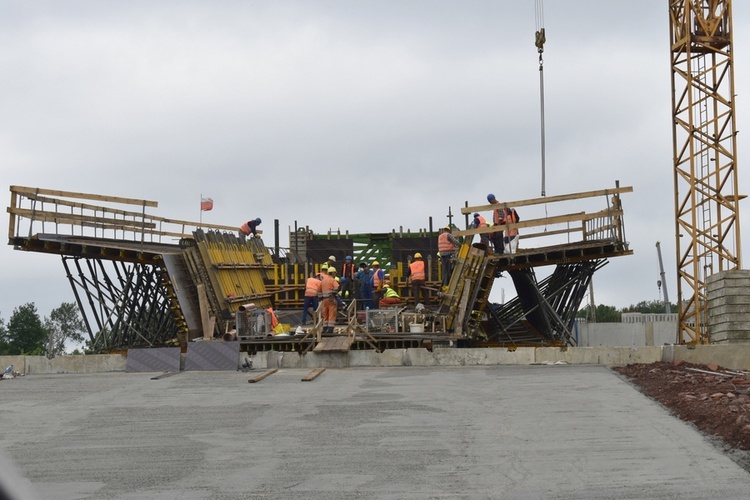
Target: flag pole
<point x="200" y="207"/>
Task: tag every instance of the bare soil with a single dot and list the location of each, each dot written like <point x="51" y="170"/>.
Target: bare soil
<point x="714" y="399"/>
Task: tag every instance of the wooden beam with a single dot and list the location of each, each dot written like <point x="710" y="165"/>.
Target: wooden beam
<point x="32" y="192"/>
<point x="263" y="375"/>
<point x="313" y="375"/>
<point x="63" y="218"/>
<point x="546" y="199"/>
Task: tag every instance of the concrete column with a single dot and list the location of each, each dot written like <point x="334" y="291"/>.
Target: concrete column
<point x="729" y="307"/>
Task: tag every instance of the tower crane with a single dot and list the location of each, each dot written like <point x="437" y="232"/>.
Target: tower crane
<point x="707" y="212"/>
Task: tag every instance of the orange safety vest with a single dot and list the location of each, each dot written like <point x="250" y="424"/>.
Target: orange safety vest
<point x="509" y="217"/>
<point x="496" y="217"/>
<point x="328" y="285"/>
<point x="417" y="270"/>
<point x="274" y="320"/>
<point x="444" y="244"/>
<point x="347" y="270"/>
<point x="245" y="228"/>
<point x="482" y="221"/>
<point x="313" y="287"/>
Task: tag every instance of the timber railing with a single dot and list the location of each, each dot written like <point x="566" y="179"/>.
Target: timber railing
<point x="35" y="210"/>
<point x="604" y="222"/>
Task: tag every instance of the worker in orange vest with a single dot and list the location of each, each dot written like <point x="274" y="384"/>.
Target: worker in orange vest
<point x="249" y="228"/>
<point x="313" y="288"/>
<point x="417" y="273"/>
<point x="497" y="236"/>
<point x="447" y="246"/>
<point x="378" y="279"/>
<point x="330" y="310"/>
<point x="347" y="277"/>
<point x="510" y="216"/>
<point x="479" y="223"/>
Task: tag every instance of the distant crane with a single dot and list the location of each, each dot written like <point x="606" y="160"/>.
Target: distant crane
<point x="707" y="211"/>
<point x="663" y="280"/>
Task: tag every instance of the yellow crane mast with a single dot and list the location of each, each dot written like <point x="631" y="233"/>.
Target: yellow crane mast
<point x="707" y="210"/>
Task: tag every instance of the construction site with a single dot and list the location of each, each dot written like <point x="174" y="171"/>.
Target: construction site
<point x="146" y="281"/>
<point x="455" y="396"/>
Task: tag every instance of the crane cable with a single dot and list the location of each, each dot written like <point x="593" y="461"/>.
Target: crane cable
<point x="539" y="42"/>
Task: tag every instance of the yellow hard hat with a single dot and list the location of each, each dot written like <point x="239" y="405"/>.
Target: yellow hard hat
<point x="331" y="269"/>
<point x="417" y="255"/>
<point x="376" y="263"/>
<point x="324" y="266"/>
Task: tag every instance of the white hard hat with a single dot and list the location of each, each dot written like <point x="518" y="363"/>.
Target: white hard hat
<point x="332" y="258"/>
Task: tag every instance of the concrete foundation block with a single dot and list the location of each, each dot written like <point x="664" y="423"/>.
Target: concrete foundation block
<point x="734" y="357"/>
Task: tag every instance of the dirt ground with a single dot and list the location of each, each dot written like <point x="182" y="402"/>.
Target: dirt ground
<point x="714" y="399"/>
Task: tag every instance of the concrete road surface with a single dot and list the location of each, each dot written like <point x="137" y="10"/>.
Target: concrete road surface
<point x="515" y="432"/>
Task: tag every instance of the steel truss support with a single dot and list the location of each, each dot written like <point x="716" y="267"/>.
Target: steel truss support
<point x="542" y="313"/>
<point x="123" y="304"/>
<point x="704" y="143"/>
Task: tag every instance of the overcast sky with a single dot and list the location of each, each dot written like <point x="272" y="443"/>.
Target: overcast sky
<point x="362" y="116"/>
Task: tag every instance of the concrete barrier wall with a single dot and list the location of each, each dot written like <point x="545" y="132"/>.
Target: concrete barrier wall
<point x="735" y="357"/>
<point x="90" y="363"/>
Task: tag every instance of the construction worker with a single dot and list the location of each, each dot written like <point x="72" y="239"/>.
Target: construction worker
<point x="347" y="277"/>
<point x="510" y="216"/>
<point x="336" y="286"/>
<point x="328" y="283"/>
<point x="497" y="236"/>
<point x="331" y="261"/>
<point x="313" y="288"/>
<point x="330" y="310"/>
<point x="249" y="228"/>
<point x="417" y="273"/>
<point x="364" y="279"/>
<point x="447" y="246"/>
<point x="479" y="223"/>
<point x="377" y="280"/>
<point x="390" y="297"/>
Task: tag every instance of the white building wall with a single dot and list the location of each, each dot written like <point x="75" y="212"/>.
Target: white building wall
<point x="633" y="333"/>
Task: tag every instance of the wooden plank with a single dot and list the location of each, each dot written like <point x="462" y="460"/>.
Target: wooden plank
<point x="261" y="376"/>
<point x="86" y="206"/>
<point x="63" y="218"/>
<point x="200" y="289"/>
<point x="313" y="375"/>
<point x="31" y="192"/>
<point x="546" y="199"/>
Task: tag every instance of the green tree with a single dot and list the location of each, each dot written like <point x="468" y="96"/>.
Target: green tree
<point x="649" y="306"/>
<point x="3" y="337"/>
<point x="63" y="324"/>
<point x="604" y="314"/>
<point x="25" y="333"/>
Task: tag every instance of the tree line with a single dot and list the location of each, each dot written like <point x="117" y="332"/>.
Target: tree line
<point x="610" y="314"/>
<point x="28" y="334"/>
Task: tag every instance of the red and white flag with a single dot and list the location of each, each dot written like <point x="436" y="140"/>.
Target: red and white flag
<point x="207" y="204"/>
